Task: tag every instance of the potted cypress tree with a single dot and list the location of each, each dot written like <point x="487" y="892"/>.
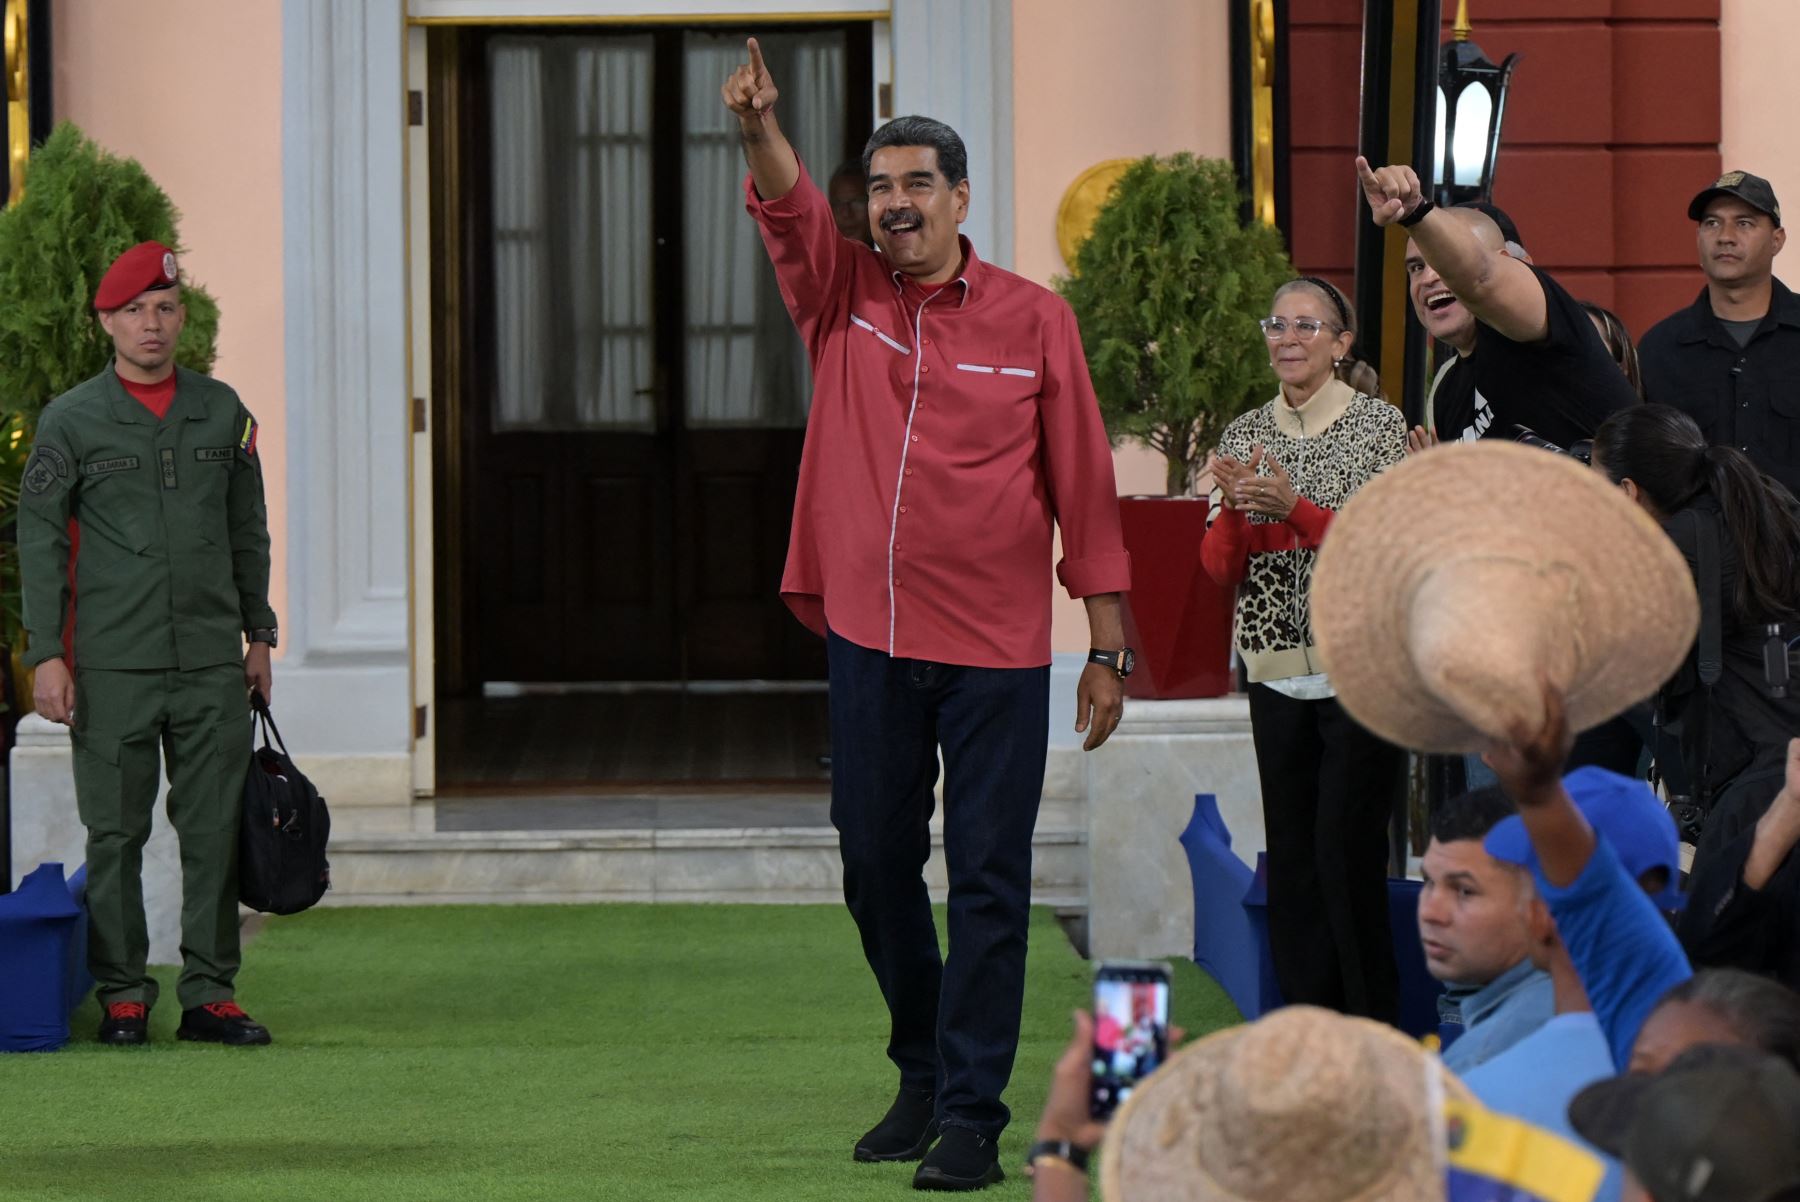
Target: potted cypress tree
<point x="1168" y="289"/>
<point x="80" y="209"/>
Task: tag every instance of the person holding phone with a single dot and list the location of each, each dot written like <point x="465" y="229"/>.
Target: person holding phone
<point x="953" y="432"/>
<point x="1328" y="785"/>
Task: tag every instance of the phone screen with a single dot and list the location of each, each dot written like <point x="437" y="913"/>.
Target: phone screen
<point x="1131" y="1031"/>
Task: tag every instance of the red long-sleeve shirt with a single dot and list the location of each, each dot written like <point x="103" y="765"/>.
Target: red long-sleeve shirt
<point x="948" y="433"/>
<point x="1233" y="538"/>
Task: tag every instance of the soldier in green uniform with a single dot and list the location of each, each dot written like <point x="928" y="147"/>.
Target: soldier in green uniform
<point x="147" y="477"/>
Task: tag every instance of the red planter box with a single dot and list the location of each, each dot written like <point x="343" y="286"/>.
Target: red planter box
<point x="1176" y="618"/>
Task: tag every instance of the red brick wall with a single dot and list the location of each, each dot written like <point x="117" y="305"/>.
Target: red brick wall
<point x="1612" y="124"/>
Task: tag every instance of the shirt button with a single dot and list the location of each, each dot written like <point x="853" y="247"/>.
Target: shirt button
<point x="909" y="471"/>
<point x="903" y="509"/>
<point x="927" y="342"/>
<point x="925" y="367"/>
<point x="915" y="438"/>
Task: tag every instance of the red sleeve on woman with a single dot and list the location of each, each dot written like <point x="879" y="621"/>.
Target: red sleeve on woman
<point x="1309" y="522"/>
<point x="1225" y="549"/>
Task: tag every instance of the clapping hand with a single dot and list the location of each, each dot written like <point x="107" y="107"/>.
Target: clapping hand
<point x="1419" y="439"/>
<point x="1392" y="192"/>
<point x="750" y="91"/>
<point x="1271" y="496"/>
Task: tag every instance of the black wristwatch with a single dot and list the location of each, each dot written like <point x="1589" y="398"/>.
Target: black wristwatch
<point x="1417" y="215"/>
<point x="264" y="634"/>
<point x="1057" y="1149"/>
<point x="1121" y="661"/>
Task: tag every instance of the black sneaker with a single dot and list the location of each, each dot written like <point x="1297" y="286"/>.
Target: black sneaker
<point x="904" y="1132"/>
<point x="221" y="1022"/>
<point x="125" y="1023"/>
<point x="962" y="1160"/>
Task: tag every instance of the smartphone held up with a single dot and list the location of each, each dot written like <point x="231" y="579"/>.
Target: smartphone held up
<point x="1131" y="1030"/>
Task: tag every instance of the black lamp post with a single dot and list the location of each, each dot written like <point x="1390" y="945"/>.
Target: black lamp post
<point x="1471" y="103"/>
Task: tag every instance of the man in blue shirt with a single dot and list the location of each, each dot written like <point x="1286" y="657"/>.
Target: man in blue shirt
<point x="1474" y="923"/>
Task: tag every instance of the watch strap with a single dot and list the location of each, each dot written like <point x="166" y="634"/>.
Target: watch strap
<point x="1417" y="215"/>
<point x="1058" y="1149"/>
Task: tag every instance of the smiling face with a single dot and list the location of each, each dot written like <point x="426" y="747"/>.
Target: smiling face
<point x="1738" y="243"/>
<point x="1443" y="316"/>
<point x="144" y="331"/>
<point x="916" y="212"/>
<point x="1301" y="363"/>
<point x="1474" y="913"/>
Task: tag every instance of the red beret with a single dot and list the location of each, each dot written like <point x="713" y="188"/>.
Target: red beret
<point x="145" y="267"/>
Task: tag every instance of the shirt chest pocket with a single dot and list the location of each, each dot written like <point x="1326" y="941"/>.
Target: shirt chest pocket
<point x="116" y="504"/>
<point x="999" y="387"/>
<point x="205" y="480"/>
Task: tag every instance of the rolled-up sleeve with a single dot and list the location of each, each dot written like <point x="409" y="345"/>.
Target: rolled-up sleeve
<point x="1084" y="493"/>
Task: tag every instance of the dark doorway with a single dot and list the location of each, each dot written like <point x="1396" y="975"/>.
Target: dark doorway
<point x="633" y="400"/>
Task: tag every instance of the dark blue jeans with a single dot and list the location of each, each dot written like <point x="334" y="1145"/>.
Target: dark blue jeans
<point x="956" y="1020"/>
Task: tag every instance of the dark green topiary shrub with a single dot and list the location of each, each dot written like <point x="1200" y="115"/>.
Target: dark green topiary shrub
<point x="1168" y="289"/>
<point x="81" y="207"/>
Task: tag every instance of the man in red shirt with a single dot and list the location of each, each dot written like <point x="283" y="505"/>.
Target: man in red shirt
<point x="953" y="426"/>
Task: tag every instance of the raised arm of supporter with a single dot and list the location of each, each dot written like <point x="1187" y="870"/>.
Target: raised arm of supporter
<point x="1623" y="950"/>
<point x="1467" y="251"/>
<point x="1733" y="918"/>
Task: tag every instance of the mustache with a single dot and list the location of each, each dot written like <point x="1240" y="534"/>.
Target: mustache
<point x="890" y="219"/>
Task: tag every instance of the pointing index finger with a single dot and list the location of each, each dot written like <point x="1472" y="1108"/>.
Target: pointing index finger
<point x="756" y="58"/>
<point x="1364" y="172"/>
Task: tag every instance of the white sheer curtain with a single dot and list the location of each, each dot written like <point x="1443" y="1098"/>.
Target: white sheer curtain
<point x="572" y="230"/>
<point x="745" y="364"/>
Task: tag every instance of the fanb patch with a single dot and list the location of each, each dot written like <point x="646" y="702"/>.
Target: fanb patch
<point x="247" y="442"/>
<point x="101" y="467"/>
<point x="214" y="454"/>
<point x="46" y="466"/>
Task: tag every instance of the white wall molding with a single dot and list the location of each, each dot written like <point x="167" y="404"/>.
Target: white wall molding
<point x="953" y="61"/>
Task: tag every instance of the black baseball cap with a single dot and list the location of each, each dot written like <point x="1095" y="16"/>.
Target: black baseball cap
<point x="1720" y="1124"/>
<point x="1498" y="216"/>
<point x="1753" y="190"/>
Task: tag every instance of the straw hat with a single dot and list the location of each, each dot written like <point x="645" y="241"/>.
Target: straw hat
<point x="1452" y="585"/>
<point x="1302" y="1106"/>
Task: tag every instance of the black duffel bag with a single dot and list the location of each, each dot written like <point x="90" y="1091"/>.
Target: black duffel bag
<point x="282" y="867"/>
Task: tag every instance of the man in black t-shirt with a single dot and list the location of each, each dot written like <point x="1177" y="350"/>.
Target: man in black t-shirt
<point x="1528" y="358"/>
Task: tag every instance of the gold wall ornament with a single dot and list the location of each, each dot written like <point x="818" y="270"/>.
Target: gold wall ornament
<point x="1262" y="110"/>
<point x="17" y="65"/>
<point x="1081" y="204"/>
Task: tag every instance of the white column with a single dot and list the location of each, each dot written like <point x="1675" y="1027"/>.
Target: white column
<point x="953" y="61"/>
<point x="343" y="691"/>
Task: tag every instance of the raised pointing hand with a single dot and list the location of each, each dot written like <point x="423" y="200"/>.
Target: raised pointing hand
<point x="1392" y="192"/>
<point x="750" y="91"/>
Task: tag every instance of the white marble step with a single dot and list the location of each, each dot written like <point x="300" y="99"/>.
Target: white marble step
<point x="750" y="864"/>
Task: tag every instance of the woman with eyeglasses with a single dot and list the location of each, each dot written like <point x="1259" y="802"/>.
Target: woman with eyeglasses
<point x="1328" y="786"/>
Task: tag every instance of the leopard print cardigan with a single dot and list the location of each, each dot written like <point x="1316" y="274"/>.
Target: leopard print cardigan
<point x="1331" y="446"/>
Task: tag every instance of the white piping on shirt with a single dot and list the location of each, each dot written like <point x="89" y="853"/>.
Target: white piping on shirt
<point x="870" y="326"/>
<point x="1003" y="371"/>
<point x="905" y="444"/>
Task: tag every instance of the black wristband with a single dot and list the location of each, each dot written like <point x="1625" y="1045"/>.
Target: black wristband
<point x="1060" y="1149"/>
<point x="1417" y="215"/>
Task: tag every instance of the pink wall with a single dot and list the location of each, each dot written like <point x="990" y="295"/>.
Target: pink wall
<point x="1761" y="92"/>
<point x="1093" y="82"/>
<point x="203" y="115"/>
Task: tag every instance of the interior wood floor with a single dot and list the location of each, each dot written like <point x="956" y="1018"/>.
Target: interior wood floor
<point x="624" y="740"/>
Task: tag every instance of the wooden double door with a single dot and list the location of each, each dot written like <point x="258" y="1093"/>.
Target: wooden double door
<point x="632" y="397"/>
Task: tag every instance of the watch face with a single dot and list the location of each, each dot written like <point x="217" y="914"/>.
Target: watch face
<point x="1127" y="661"/>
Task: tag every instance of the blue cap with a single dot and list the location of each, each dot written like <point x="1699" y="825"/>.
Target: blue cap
<point x="1624" y="812"/>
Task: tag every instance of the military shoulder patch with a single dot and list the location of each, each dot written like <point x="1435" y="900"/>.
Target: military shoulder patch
<point x="101" y="467"/>
<point x="247" y="441"/>
<point x="46" y="466"/>
<point x="214" y="454"/>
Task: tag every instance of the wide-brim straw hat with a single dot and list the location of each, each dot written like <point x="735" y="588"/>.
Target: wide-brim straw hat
<point x="1454" y="585"/>
<point x="1302" y="1106"/>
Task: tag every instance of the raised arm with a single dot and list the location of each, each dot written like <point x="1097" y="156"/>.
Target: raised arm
<point x="1467" y="251"/>
<point x="750" y="95"/>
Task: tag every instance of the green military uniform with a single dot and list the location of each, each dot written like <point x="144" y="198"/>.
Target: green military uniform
<point x="171" y="572"/>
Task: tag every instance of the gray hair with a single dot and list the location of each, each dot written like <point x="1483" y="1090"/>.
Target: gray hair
<point x="952" y="155"/>
<point x="1765" y="1012"/>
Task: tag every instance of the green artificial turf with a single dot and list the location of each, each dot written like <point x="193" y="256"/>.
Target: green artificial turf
<point x="641" y="1053"/>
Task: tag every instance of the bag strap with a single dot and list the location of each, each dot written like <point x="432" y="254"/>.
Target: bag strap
<point x="1430" y="414"/>
<point x="259" y="712"/>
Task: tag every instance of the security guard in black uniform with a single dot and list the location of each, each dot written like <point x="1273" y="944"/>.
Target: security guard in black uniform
<point x="147" y="477"/>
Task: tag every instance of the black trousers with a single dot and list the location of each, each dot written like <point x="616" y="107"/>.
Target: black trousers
<point x="955" y="1021"/>
<point x="1328" y="791"/>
